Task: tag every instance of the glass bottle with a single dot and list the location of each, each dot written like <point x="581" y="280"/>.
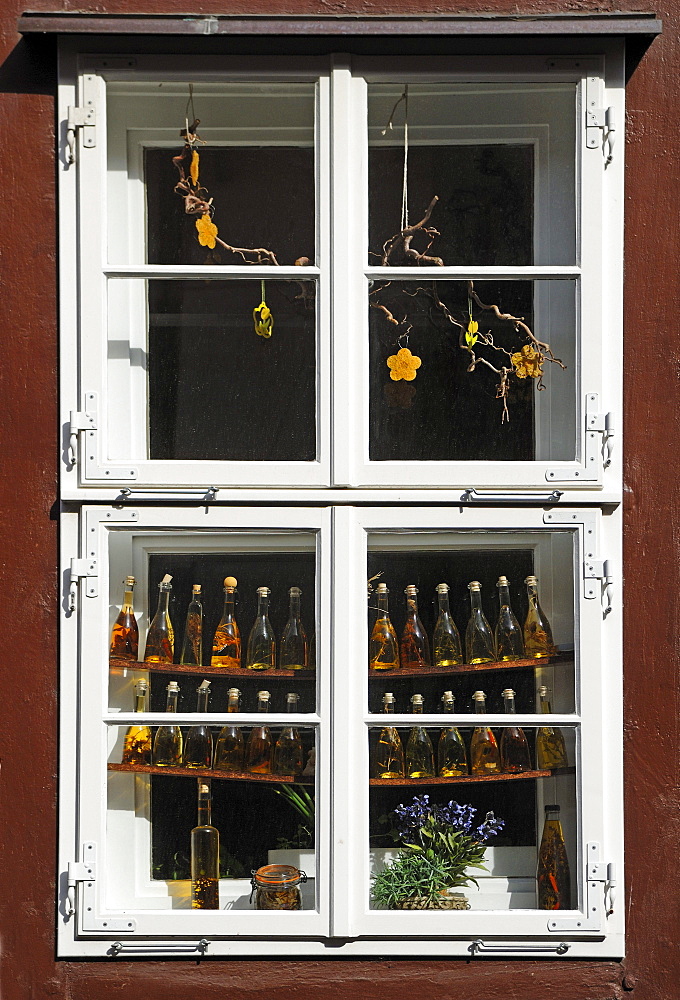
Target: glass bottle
<point x="508" y="632"/>
<point x="514" y="747"/>
<point x="167" y="744"/>
<point x="288" y="747"/>
<point x="261" y="652"/>
<point x="414" y="649"/>
<point x="160" y="638"/>
<point x="446" y="639"/>
<point x="538" y="640"/>
<point x="383" y="652"/>
<point x="230" y="746"/>
<point x="259" y="746"/>
<point x="451" y="754"/>
<point x="484" y="755"/>
<point x="552" y="873"/>
<point x="192" y="647"/>
<point x="293" y="649"/>
<point x="198" y="743"/>
<point x="226" y="647"/>
<point x="551" y="751"/>
<point x="137" y="742"/>
<point x="419" y="752"/>
<point x="479" y="645"/>
<point x="125" y="634"/>
<point x="389" y="752"/>
<point x="205" y="855"/>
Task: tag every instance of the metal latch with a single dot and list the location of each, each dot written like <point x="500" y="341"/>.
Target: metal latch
<point x="600" y="889"/>
<point x="146" y="948"/>
<point x="80" y="420"/>
<point x="604" y="423"/>
<point x="472" y="495"/>
<point x="594" y="570"/>
<point x="84" y="873"/>
<point x="82" y="569"/>
<point x="85" y="118"/>
<point x="600" y="121"/>
<point x="479" y="947"/>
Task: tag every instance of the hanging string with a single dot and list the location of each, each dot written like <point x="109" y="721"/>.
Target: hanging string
<point x="190" y="104"/>
<point x="404" y="191"/>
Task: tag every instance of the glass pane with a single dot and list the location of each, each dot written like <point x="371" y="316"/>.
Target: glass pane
<point x="528" y="863"/>
<point x="499" y="159"/>
<point x="515" y="405"/>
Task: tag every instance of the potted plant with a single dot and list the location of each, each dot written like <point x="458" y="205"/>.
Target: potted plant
<point x="439" y="844"/>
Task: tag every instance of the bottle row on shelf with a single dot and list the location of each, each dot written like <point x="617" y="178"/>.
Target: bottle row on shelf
<point x="506" y="643"/>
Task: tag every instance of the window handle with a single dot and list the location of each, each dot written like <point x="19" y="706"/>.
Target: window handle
<point x="541" y="499"/>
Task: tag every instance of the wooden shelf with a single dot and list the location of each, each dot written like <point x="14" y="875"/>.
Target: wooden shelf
<point x="469" y="668"/>
<point x="199" y="772"/>
<point x="209" y="671"/>
<point x="464" y="779"/>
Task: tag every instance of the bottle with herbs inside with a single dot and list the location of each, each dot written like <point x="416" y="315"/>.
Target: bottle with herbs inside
<point x="226" y="647"/>
<point x="259" y="745"/>
<point x="551" y="751"/>
<point x="167" y="744"/>
<point x="451" y="753"/>
<point x="484" y="755"/>
<point x="446" y="639"/>
<point x="192" y="647"/>
<point x="508" y="631"/>
<point x="125" y="634"/>
<point x="419" y="752"/>
<point x="538" y="640"/>
<point x="552" y="873"/>
<point x="160" y="639"/>
<point x="230" y="746"/>
<point x="414" y="649"/>
<point x="383" y="651"/>
<point x="137" y="742"/>
<point x="389" y="752"/>
<point x="205" y="854"/>
<point x="198" y="743"/>
<point x="288" y="748"/>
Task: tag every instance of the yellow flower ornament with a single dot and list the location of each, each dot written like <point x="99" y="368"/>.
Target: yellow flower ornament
<point x="207" y="231"/>
<point x="263" y="320"/>
<point x="527" y="363"/>
<point x="471" y="332"/>
<point x="403" y="365"/>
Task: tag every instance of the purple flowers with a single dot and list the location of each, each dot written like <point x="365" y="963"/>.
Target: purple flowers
<point x="458" y="818"/>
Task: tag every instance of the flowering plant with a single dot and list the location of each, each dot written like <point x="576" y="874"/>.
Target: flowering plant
<point x="440" y="842"/>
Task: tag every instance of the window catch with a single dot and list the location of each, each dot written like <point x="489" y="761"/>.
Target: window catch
<point x="478" y="947"/>
<point x="85" y="118"/>
<point x="541" y="499"/>
<point x="601" y="131"/>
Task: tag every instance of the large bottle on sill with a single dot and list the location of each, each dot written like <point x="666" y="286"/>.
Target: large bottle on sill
<point x="137" y="742"/>
<point x="230" y="746"/>
<point x="160" y="639"/>
<point x="538" y="640"/>
<point x="294" y="649"/>
<point x="508" y="631"/>
<point x="125" y="634"/>
<point x="259" y="746"/>
<point x="484" y="755"/>
<point x="288" y="748"/>
<point x="414" y="649"/>
<point x="389" y="752"/>
<point x="479" y="644"/>
<point x="226" y="647"/>
<point x="419" y="752"/>
<point x="446" y="639"/>
<point x="552" y="874"/>
<point x="514" y="747"/>
<point x="205" y="855"/>
<point x="383" y="651"/>
<point x="167" y="744"/>
<point x="551" y="751"/>
<point x="198" y="745"/>
<point x="261" y="651"/>
<point x="192" y="647"/>
<point x="451" y="753"/>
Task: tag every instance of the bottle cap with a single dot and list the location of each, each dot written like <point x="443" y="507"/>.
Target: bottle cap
<point x="416" y="699"/>
<point x="542" y="691"/>
<point x="442" y="588"/>
<point x="230" y="582"/>
<point x="474" y="585"/>
<point x="388" y="696"/>
<point x="291" y="697"/>
<point x="233" y="693"/>
<point x="129" y="582"/>
<point x="263" y="695"/>
<point x="479" y="696"/>
<point x="203" y="686"/>
<point x="447" y="696"/>
<point x="196" y="589"/>
<point x="531" y="581"/>
<point x="411" y="590"/>
<point x="502" y="581"/>
<point x="142" y="686"/>
<point x="203" y="788"/>
<point x="552" y="808"/>
<point x="508" y="693"/>
<point x="382" y="589"/>
<point x="295" y="592"/>
<point x="172" y="686"/>
<point x="264" y="591"/>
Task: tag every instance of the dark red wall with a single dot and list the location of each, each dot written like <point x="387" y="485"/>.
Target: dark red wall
<point x="28" y="670"/>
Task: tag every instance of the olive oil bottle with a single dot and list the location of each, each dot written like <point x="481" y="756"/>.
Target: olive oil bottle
<point x="451" y="753"/>
<point x="137" y="742"/>
<point x="205" y="855"/>
<point x="551" y="751"/>
<point x="419" y="753"/>
<point x="479" y="644"/>
<point x="226" y="647"/>
<point x="230" y="746"/>
<point x="446" y="638"/>
<point x="414" y="649"/>
<point x="389" y="752"/>
<point x="508" y="632"/>
<point x="167" y="744"/>
<point x="125" y="634"/>
<point x="484" y="755"/>
<point x="383" y="653"/>
<point x="552" y="873"/>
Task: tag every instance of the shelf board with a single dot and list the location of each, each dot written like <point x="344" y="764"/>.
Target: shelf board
<point x="469" y="668"/>
<point x="208" y="671"/>
<point x="464" y="779"/>
<point x="200" y="772"/>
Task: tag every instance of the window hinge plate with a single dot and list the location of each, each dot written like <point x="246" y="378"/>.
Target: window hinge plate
<point x="81" y="894"/>
<point x="600" y="120"/>
<point x="93" y="470"/>
<point x="83" y="569"/>
<point x="599" y="432"/>
<point x="598" y="581"/>
<point x="80" y="117"/>
<point x="80" y="420"/>
<point x="600" y="885"/>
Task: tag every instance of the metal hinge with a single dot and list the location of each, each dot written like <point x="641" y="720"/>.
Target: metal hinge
<point x="80" y="420"/>
<point x="86" y="425"/>
<point x="84" y="874"/>
<point x="82" y="569"/>
<point x="598" y="570"/>
<point x="600" y="895"/>
<point x="86" y="119"/>
<point x="600" y="121"/>
<point x="599" y="431"/>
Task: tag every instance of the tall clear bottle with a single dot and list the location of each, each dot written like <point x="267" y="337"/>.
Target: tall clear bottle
<point x="167" y="744"/>
<point x="508" y="631"/>
<point x="259" y="745"/>
<point x="125" y="634"/>
<point x="137" y="742"/>
<point x="288" y="747"/>
<point x="226" y="647"/>
<point x="294" y="649"/>
<point x="451" y="753"/>
<point x="198" y="743"/>
<point x="552" y="873"/>
<point x="414" y="649"/>
<point x="446" y="638"/>
<point x="514" y="747"/>
<point x="230" y="746"/>
<point x="419" y="752"/>
<point x="484" y="755"/>
<point x="160" y="639"/>
<point x="551" y="751"/>
<point x="479" y="644"/>
<point x="383" y="651"/>
<point x="192" y="647"/>
<point x="389" y="752"/>
<point x="205" y="855"/>
<point x="538" y="640"/>
<point x="261" y="651"/>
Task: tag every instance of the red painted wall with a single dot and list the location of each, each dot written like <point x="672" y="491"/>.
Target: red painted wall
<point x="28" y="670"/>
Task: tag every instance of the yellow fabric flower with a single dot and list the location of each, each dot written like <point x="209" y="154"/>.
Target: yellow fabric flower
<point x="471" y="332"/>
<point x="193" y="169"/>
<point x="263" y="320"/>
<point x="527" y="363"/>
<point x="207" y="231"/>
<point x="403" y="364"/>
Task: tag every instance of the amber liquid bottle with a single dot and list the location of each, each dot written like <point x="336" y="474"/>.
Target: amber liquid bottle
<point x="451" y="754"/>
<point x="419" y="752"/>
<point x="538" y="640"/>
<point x="230" y="746"/>
<point x="389" y="752"/>
<point x="137" y="742"/>
<point x="479" y="644"/>
<point x="167" y="744"/>
<point x="160" y="638"/>
<point x="414" y="649"/>
<point x="484" y="755"/>
<point x="514" y="747"/>
<point x="552" y="873"/>
<point x="294" y="649"/>
<point x="551" y="751"/>
<point x="508" y="632"/>
<point x="226" y="647"/>
<point x="259" y="746"/>
<point x="383" y="651"/>
<point x="446" y="639"/>
<point x="261" y="652"/>
<point x="205" y="855"/>
<point x="198" y="744"/>
<point x="192" y="647"/>
<point x="288" y="747"/>
<point x="125" y="634"/>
